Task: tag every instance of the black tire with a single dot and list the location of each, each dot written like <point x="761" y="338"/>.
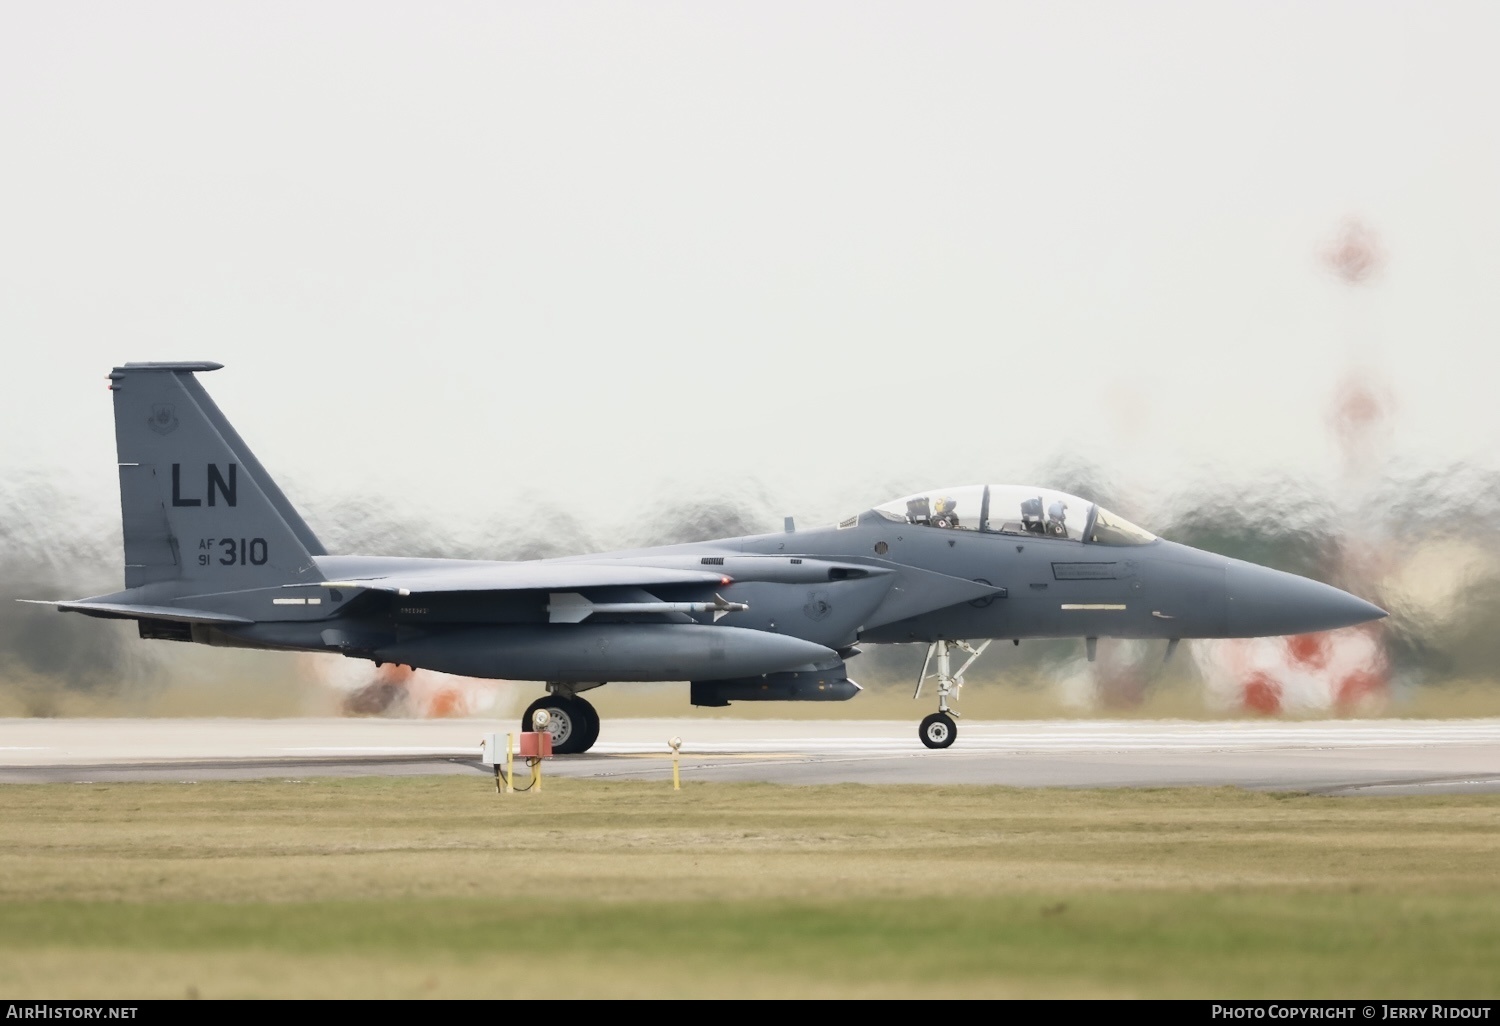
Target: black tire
<point x="574" y="724"/>
<point x="568" y="725"/>
<point x="938" y="730"/>
<point x="591" y="723"/>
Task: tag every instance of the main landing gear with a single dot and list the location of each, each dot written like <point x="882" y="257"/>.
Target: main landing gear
<point x="939" y="729"/>
<point x="573" y="722"/>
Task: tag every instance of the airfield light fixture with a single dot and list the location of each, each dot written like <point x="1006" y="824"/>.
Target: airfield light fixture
<point x="675" y="744"/>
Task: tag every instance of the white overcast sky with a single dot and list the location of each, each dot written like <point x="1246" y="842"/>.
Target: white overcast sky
<point x="470" y="255"/>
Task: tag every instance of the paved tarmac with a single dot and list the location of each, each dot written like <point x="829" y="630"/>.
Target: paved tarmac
<point x="1336" y="757"/>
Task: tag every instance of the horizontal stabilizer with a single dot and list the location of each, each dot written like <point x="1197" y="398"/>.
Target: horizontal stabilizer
<point x="124" y="611"/>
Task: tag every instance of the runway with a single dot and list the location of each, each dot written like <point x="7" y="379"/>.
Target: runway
<point x="1335" y="757"/>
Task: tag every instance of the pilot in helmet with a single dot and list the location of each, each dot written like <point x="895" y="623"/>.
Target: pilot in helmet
<point x="942" y="512"/>
<point x="1057" y="515"/>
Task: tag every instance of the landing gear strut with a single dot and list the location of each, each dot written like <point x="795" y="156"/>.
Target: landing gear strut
<point x="573" y="722"/>
<point x="939" y="729"/>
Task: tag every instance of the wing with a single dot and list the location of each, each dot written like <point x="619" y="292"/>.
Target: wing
<point x="524" y="577"/>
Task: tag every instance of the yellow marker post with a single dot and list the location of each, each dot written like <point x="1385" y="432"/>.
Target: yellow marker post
<point x="539" y="721"/>
<point x="510" y="763"/>
<point x="676" y="745"/>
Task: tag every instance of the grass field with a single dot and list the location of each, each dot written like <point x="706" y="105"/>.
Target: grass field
<point x="436" y="886"/>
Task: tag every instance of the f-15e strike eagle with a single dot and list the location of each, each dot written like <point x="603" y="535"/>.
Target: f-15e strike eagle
<point x="215" y="554"/>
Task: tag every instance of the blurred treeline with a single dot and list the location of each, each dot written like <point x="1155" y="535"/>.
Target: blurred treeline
<point x="1425" y="546"/>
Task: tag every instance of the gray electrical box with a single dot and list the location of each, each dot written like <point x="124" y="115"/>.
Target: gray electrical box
<point x="492" y="750"/>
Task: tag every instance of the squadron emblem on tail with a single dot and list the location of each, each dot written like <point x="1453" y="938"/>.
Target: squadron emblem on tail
<point x="163" y="419"/>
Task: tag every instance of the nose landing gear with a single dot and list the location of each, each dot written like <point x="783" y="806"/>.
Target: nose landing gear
<point x="939" y="729"/>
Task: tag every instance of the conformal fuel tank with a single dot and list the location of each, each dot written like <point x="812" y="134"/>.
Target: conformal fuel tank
<point x="579" y="653"/>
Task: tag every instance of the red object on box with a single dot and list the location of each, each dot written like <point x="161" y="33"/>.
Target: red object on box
<point x="534" y="745"/>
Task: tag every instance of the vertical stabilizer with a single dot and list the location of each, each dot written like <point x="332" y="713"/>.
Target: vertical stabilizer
<point x="196" y="503"/>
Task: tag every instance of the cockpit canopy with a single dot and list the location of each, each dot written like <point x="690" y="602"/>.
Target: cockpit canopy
<point x="1018" y="510"/>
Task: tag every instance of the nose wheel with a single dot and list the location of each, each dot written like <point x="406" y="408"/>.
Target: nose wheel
<point x="939" y="730"/>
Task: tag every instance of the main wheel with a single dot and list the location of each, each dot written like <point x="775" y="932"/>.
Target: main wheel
<point x="590" y="717"/>
<point x="938" y="730"/>
<point x="572" y="722"/>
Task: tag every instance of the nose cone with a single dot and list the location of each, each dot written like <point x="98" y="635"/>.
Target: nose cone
<point x="1265" y="603"/>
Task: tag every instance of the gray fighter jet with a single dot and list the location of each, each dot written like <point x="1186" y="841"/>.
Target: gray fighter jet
<point x="215" y="554"/>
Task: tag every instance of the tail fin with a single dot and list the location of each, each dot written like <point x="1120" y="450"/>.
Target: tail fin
<point x="196" y="503"/>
